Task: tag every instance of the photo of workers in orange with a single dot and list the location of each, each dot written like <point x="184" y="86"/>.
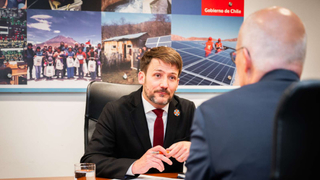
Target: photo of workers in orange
<point x="218" y="46"/>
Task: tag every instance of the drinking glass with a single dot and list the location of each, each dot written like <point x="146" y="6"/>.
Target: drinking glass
<point x="85" y="171"/>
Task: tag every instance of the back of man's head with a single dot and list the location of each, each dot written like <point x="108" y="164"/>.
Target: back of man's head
<point x="275" y="38"/>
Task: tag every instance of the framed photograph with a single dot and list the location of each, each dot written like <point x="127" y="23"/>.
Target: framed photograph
<point x="60" y="46"/>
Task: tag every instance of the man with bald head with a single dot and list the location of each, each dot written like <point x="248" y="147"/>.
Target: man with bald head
<point x="232" y="134"/>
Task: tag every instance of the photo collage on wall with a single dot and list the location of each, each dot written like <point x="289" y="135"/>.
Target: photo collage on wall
<point x="69" y="43"/>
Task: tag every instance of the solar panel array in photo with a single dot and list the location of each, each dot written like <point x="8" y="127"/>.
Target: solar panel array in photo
<point x="159" y="41"/>
<point x="199" y="69"/>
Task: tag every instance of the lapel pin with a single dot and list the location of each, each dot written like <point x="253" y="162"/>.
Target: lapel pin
<point x="176" y="112"/>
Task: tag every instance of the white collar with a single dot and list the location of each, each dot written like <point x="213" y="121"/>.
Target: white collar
<point x="148" y="107"/>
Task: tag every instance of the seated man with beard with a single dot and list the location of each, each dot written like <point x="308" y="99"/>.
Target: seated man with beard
<point x="137" y="133"/>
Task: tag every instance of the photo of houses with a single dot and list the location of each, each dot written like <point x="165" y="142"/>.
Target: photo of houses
<point x="125" y="39"/>
<point x="137" y="6"/>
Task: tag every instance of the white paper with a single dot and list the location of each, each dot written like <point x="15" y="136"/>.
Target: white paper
<point x="144" y="177"/>
<point x="37" y="60"/>
<point x="59" y="65"/>
<point x="49" y="71"/>
<point x="85" y="68"/>
<point x="76" y="63"/>
<point x="92" y="66"/>
<point x="70" y="62"/>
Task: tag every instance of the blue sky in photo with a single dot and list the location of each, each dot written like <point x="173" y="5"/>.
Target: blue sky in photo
<point x="223" y="27"/>
<point x="186" y="7"/>
<point x="82" y="26"/>
<point x="133" y="18"/>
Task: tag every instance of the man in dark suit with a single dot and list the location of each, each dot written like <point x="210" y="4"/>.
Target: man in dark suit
<point x="232" y="134"/>
<point x="28" y="58"/>
<point x="140" y="131"/>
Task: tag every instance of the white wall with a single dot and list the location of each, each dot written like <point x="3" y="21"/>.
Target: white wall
<point x="41" y="134"/>
<point x="308" y="11"/>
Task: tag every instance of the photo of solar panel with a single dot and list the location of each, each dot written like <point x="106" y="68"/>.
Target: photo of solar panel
<point x="158" y="41"/>
<point x="199" y="69"/>
<point x="206" y="60"/>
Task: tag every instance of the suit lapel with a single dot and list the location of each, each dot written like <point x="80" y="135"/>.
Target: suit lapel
<point x="172" y="123"/>
<point x="138" y="118"/>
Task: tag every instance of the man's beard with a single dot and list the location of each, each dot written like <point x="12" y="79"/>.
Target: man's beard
<point x="153" y="99"/>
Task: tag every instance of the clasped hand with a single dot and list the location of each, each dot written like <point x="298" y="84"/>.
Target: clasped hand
<point x="151" y="159"/>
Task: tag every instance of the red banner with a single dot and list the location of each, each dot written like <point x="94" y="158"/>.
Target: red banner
<point x="223" y="7"/>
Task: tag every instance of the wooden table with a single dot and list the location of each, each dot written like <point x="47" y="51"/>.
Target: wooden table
<point x="168" y="175"/>
<point x="16" y="72"/>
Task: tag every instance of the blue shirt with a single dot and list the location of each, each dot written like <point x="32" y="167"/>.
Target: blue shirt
<point x="39" y="53"/>
<point x="70" y="53"/>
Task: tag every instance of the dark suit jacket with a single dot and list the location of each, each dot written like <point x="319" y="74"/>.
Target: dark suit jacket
<point x="122" y="136"/>
<point x="232" y="134"/>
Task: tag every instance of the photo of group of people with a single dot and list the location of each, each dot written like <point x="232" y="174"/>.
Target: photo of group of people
<point x="64" y="62"/>
<point x="58" y="51"/>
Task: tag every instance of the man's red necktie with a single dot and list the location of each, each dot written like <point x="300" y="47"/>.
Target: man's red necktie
<point x="158" y="128"/>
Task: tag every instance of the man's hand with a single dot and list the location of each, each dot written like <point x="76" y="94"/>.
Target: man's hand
<point x="151" y="160"/>
<point x="180" y="150"/>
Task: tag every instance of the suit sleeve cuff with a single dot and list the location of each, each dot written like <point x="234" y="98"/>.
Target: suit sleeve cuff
<point x="129" y="172"/>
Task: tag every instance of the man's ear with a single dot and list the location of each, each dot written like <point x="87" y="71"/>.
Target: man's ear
<point x="247" y="61"/>
<point x="141" y="77"/>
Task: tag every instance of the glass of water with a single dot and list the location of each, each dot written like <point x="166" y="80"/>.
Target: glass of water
<point x="85" y="171"/>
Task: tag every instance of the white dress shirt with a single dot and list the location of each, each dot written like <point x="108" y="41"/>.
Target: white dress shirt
<point x="151" y="118"/>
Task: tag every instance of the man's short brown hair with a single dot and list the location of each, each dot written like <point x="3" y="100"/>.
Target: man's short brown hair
<point x="166" y="54"/>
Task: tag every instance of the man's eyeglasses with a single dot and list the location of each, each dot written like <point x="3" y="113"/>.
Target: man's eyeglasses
<point x="233" y="54"/>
